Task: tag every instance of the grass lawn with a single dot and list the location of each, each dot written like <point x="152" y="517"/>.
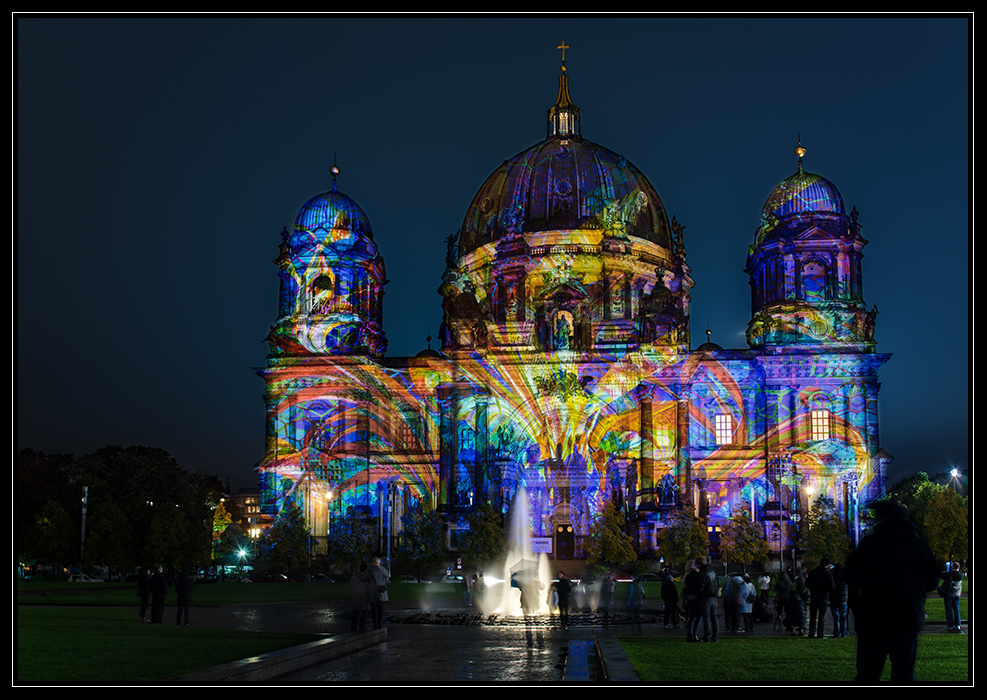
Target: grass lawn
<point x="785" y="660"/>
<point x="229" y="593"/>
<point x="106" y="645"/>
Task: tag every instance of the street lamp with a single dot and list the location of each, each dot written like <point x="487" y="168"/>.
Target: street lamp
<point x="954" y="476"/>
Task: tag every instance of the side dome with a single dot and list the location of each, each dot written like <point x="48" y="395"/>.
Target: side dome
<point x="799" y="198"/>
<point x="330" y="213"/>
<point x="565" y="183"/>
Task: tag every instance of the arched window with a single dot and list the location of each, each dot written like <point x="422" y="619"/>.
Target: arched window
<point x="814" y="280"/>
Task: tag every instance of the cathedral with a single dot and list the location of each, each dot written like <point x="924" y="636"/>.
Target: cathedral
<point x="564" y="369"/>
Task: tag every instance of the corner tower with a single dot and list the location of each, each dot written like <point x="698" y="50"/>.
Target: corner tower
<point x="331" y="281"/>
<point x="805" y="270"/>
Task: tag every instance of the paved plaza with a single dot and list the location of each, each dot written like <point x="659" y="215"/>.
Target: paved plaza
<point x="458" y="645"/>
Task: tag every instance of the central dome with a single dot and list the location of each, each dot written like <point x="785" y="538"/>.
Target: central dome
<point x="565" y="183"/>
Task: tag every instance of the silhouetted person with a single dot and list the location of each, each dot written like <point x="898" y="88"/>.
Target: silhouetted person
<point x="184" y="591"/>
<point x="144" y="592"/>
<point x="820" y="584"/>
<point x="378" y="591"/>
<point x="669" y="598"/>
<point x="838" y="602"/>
<point x="360" y="597"/>
<point x="159" y="589"/>
<point x="563" y="587"/>
<point x="691" y="584"/>
<point x="887" y="577"/>
<point x="708" y="588"/>
<point x="951" y="590"/>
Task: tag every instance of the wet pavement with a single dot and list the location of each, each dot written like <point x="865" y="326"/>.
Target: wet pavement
<point x="459" y="645"/>
<point x="443" y="646"/>
<point x="437" y="654"/>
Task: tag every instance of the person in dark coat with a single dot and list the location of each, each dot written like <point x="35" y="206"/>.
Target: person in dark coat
<point x="838" y="602"/>
<point x="159" y="589"/>
<point x="708" y="590"/>
<point x="563" y="588"/>
<point x="795" y="606"/>
<point x="670" y="598"/>
<point x="820" y="584"/>
<point x="144" y="592"/>
<point x="691" y="584"/>
<point x="360" y="597"/>
<point x="379" y="576"/>
<point x="783" y="589"/>
<point x="887" y="577"/>
<point x="184" y="590"/>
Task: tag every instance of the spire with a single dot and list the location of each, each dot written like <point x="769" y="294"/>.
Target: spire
<point x="799" y="151"/>
<point x="563" y="116"/>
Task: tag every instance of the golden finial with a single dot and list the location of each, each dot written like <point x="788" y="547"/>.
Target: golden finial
<point x="799" y="151"/>
<point x="335" y="171"/>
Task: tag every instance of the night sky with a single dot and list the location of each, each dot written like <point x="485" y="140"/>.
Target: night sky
<point x="158" y="159"/>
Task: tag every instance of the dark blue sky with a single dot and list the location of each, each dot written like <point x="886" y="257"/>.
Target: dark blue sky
<point x="158" y="159"/>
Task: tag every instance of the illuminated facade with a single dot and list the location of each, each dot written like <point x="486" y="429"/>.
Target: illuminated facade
<point x="565" y="365"/>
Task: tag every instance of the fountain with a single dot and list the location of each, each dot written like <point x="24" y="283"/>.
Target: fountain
<point x="522" y="570"/>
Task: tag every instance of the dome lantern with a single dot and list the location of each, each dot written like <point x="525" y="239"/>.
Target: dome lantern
<point x="563" y="116"/>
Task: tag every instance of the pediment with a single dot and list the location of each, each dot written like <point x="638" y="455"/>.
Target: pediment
<point x="564" y="292"/>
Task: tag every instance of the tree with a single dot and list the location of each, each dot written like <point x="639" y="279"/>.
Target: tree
<point x="484" y="540"/>
<point x="108" y="536"/>
<point x="54" y="540"/>
<point x="608" y="541"/>
<point x="422" y="544"/>
<point x="287" y="539"/>
<point x="683" y="536"/>
<point x="823" y="534"/>
<point x="742" y="541"/>
<point x="221" y="520"/>
<point x="42" y="478"/>
<point x="946" y="525"/>
<point x="350" y="540"/>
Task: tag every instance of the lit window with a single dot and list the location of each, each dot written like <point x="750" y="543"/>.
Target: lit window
<point x="820" y="425"/>
<point x="723" y="425"/>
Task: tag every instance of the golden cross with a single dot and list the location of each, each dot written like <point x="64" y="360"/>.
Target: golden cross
<point x="563" y="46"/>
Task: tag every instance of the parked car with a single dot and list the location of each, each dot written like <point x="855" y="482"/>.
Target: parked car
<point x="267" y="577"/>
<point x="82" y="578"/>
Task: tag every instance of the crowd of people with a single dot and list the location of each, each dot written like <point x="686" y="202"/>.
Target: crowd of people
<point x="885" y="585"/>
<point x="152" y="590"/>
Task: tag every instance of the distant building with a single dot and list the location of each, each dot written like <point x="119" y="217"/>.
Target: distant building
<point x="249" y="501"/>
<point x="564" y="362"/>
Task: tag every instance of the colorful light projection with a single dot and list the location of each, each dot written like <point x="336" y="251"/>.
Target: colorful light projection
<point x="801" y="197"/>
<point x="332" y="278"/>
<point x="572" y="429"/>
<point x="565" y="183"/>
<point x="566" y="372"/>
